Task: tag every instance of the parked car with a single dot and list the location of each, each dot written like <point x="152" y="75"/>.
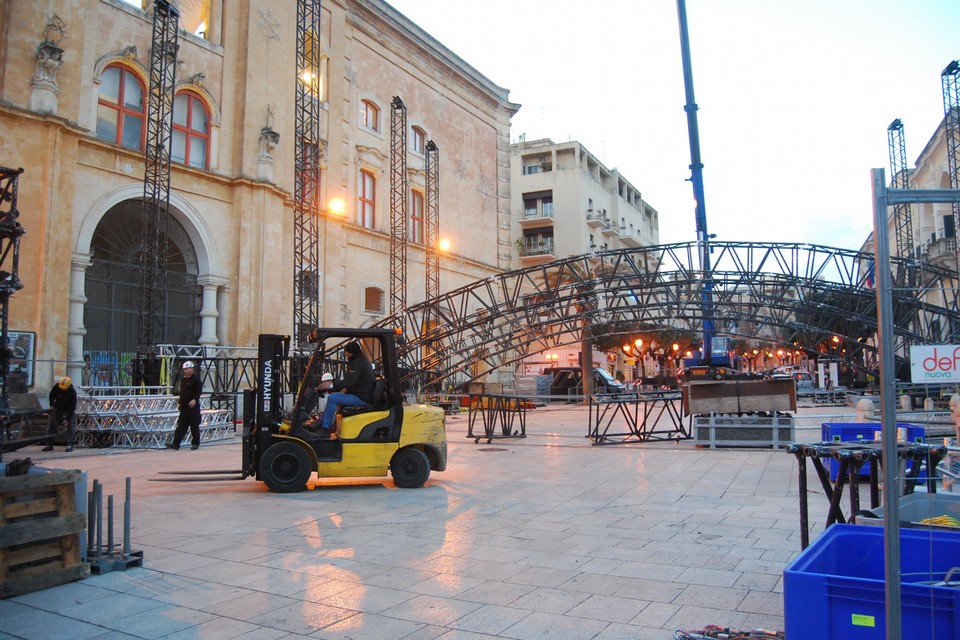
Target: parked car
<point x="565" y="381"/>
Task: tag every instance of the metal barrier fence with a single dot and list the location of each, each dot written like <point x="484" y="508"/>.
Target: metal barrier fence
<point x="646" y="416"/>
<point x="508" y="413"/>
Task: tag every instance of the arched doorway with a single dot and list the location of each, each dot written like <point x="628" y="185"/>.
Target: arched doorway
<point x="112" y="289"/>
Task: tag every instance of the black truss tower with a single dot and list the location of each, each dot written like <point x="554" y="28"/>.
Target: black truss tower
<point x="398" y="208"/>
<point x="306" y="197"/>
<point x="156" y="182"/>
<point x="432" y="246"/>
<point x="902" y="216"/>
<point x="10" y="232"/>
<point x="950" y="79"/>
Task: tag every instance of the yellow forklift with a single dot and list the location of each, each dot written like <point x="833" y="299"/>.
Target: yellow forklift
<point x="281" y="448"/>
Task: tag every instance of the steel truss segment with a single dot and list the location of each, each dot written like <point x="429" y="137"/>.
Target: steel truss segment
<point x="156" y="183"/>
<point x="308" y="145"/>
<point x="398" y="208"/>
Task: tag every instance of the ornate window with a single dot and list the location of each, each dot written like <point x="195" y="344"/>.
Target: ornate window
<point x="416" y="217"/>
<point x="191" y="130"/>
<point x="367" y="200"/>
<point x="369" y="115"/>
<point x="373" y="299"/>
<point x="418" y="140"/>
<point x="121" y="107"/>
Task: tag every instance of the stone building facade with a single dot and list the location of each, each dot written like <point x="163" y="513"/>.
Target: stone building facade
<point x="74" y="75"/>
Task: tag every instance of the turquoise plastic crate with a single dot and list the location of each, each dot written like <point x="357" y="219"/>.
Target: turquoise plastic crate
<point x="862" y="432"/>
<point x="835" y="588"/>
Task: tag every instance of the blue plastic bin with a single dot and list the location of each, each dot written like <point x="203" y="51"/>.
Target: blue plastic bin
<point x="861" y="432"/>
<point x="835" y="588"/>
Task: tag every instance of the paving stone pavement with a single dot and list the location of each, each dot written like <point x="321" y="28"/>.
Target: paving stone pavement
<point x="541" y="537"/>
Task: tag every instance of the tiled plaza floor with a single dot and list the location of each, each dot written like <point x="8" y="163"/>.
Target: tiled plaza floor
<point x="541" y="537"/>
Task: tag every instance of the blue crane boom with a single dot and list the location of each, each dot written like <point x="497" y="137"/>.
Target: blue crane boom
<point x="696" y="178"/>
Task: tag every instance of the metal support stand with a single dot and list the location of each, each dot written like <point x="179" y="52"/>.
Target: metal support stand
<point x="104" y="558"/>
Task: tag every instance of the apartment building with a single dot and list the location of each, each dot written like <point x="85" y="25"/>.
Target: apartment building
<point x="565" y="202"/>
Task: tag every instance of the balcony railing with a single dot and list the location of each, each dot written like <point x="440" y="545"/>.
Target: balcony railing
<point x="942" y="250"/>
<point x="544" y="247"/>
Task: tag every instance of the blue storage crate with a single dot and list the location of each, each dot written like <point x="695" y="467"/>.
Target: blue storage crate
<point x="862" y="432"/>
<point x="835" y="588"/>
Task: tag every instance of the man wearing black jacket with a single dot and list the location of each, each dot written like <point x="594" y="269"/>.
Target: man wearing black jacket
<point x="191" y="386"/>
<point x="356" y="388"/>
<point x="63" y="411"/>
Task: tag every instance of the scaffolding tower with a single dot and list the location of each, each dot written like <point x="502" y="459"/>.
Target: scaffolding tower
<point x="10" y="232"/>
<point x="156" y="187"/>
<point x="432" y="255"/>
<point x="398" y="208"/>
<point x="950" y="79"/>
<point x="306" y="197"/>
<point x="902" y="216"/>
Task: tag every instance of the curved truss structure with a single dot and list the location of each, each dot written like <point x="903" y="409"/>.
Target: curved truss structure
<point x="783" y="293"/>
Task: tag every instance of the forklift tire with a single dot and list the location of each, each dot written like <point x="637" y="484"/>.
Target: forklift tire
<point x="410" y="468"/>
<point x="285" y="467"/>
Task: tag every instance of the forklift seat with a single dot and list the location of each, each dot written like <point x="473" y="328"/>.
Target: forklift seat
<point x="379" y="401"/>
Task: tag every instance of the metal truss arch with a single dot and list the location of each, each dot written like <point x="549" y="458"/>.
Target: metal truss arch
<point x="786" y="290"/>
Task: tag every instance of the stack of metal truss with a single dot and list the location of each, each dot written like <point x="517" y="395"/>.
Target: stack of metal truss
<point x="142" y="421"/>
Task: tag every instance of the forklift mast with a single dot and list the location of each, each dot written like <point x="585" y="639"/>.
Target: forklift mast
<point x="263" y="405"/>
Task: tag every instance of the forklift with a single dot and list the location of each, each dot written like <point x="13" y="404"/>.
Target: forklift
<point x="282" y="449"/>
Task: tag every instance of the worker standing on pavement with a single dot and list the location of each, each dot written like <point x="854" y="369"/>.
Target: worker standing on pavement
<point x="63" y="412"/>
<point x="191" y="387"/>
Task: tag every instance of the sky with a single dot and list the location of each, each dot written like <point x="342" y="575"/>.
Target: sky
<point x="794" y="97"/>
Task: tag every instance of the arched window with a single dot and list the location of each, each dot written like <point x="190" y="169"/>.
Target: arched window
<point x="369" y="115"/>
<point x="416" y="217"/>
<point x="120" y="107"/>
<point x="367" y="200"/>
<point x="418" y="140"/>
<point x="191" y="130"/>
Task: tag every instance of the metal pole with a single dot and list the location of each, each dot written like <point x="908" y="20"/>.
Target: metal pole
<point x="126" y="521"/>
<point x="888" y="408"/>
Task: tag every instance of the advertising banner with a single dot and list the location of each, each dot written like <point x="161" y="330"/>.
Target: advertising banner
<point x="935" y="363"/>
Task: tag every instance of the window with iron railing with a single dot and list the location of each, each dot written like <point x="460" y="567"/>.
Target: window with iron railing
<point x="537" y="245"/>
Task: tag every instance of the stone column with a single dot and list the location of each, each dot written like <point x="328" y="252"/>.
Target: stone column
<point x="75" y="329"/>
<point x="208" y="309"/>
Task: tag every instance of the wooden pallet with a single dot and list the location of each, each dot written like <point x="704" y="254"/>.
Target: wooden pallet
<point x="40" y="532"/>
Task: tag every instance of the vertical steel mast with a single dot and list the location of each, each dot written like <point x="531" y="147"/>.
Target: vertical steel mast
<point x="432" y="255"/>
<point x="696" y="177"/>
<point x="398" y="208"/>
<point x="156" y="186"/>
<point x="306" y="184"/>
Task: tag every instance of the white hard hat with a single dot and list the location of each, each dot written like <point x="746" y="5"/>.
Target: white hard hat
<point x="188" y="364"/>
<point x="326" y="377"/>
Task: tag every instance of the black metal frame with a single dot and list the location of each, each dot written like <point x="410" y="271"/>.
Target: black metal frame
<point x="641" y="413"/>
<point x="156" y="182"/>
<point x="306" y="184"/>
<point x="398" y="206"/>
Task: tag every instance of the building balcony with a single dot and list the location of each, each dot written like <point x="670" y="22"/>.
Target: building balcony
<point x="536" y="221"/>
<point x="595" y="218"/>
<point x="533" y="252"/>
<point x="610" y="230"/>
<point x="629" y="240"/>
<point x="942" y="252"/>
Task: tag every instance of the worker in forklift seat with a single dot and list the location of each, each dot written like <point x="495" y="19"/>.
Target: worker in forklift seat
<point x="354" y="390"/>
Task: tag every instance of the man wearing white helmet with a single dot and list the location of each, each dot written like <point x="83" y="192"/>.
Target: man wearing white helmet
<point x="190" y="389"/>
